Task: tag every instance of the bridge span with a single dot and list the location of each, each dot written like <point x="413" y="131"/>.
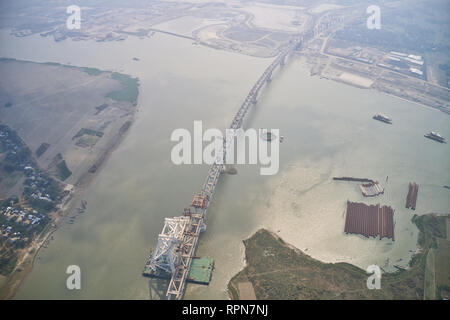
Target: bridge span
<point x="178" y="240"/>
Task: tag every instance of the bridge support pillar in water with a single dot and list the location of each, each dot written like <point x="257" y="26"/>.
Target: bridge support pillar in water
<point x="173" y="256"/>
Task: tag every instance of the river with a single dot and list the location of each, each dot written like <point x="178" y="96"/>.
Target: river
<point x="328" y="131"/>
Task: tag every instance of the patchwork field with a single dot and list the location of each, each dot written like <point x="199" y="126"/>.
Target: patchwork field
<point x="68" y="120"/>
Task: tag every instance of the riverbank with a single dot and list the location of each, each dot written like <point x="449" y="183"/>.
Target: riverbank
<point x="12" y="282"/>
<point x="277" y="270"/>
<point x="326" y="137"/>
<point x="107" y="108"/>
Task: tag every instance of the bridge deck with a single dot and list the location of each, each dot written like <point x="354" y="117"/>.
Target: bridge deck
<point x="178" y="280"/>
<point x="197" y="211"/>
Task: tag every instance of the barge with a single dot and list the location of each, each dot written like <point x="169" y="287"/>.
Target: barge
<point x="411" y="198"/>
<point x="200" y="271"/>
<point x="369" y="220"/>
<point x="371" y="189"/>
<point x="382" y="118"/>
<point x="353" y="179"/>
<point x="435" y="136"/>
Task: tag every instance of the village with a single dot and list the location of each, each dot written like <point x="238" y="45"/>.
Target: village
<point x="23" y="216"/>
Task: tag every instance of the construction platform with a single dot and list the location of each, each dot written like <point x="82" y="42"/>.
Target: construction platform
<point x="200" y="271"/>
<point x="199" y="201"/>
<point x="371" y="189"/>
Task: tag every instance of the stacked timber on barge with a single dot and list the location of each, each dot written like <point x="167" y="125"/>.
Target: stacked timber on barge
<point x="353" y="179"/>
<point x="369" y="220"/>
<point x="411" y="198"/>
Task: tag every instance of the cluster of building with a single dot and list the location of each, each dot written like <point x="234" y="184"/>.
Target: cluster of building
<point x="8" y="142"/>
<point x="38" y="185"/>
<point x="37" y="182"/>
<point x="17" y="155"/>
<point x="18" y="223"/>
<point x="361" y="56"/>
<point x="22" y="218"/>
<point x="399" y="61"/>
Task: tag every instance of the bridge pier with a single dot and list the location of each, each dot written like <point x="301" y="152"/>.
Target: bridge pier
<point x="178" y="241"/>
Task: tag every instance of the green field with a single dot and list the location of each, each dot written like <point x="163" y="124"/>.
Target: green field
<point x="64" y="172"/>
<point x="129" y="92"/>
<point x="92" y="71"/>
<point x="10" y="179"/>
<point x="279" y="271"/>
<point x="87" y="141"/>
<point x="442" y="269"/>
<point x="89" y="132"/>
<point x="7" y="263"/>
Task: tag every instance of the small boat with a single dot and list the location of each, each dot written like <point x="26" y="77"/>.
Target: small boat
<point x="435" y="136"/>
<point x="382" y="118"/>
<point x="268" y="136"/>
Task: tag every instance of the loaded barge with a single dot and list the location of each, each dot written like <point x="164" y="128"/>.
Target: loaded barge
<point x="435" y="136"/>
<point x="369" y="220"/>
<point x="382" y="118"/>
<point x="353" y="179"/>
<point x="411" y="198"/>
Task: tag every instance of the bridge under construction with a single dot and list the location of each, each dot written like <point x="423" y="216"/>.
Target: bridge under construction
<point x="178" y="240"/>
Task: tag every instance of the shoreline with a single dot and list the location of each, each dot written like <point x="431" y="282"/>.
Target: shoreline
<point x="255" y="266"/>
<point x="14" y="280"/>
<point x="79" y="190"/>
<point x="372" y="87"/>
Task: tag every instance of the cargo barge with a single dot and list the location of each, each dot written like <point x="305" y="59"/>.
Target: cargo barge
<point x="369" y="220"/>
<point x="353" y="179"/>
<point x="200" y="271"/>
<point x="371" y="189"/>
<point x="411" y="198"/>
<point x="382" y="118"/>
<point x="435" y="136"/>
